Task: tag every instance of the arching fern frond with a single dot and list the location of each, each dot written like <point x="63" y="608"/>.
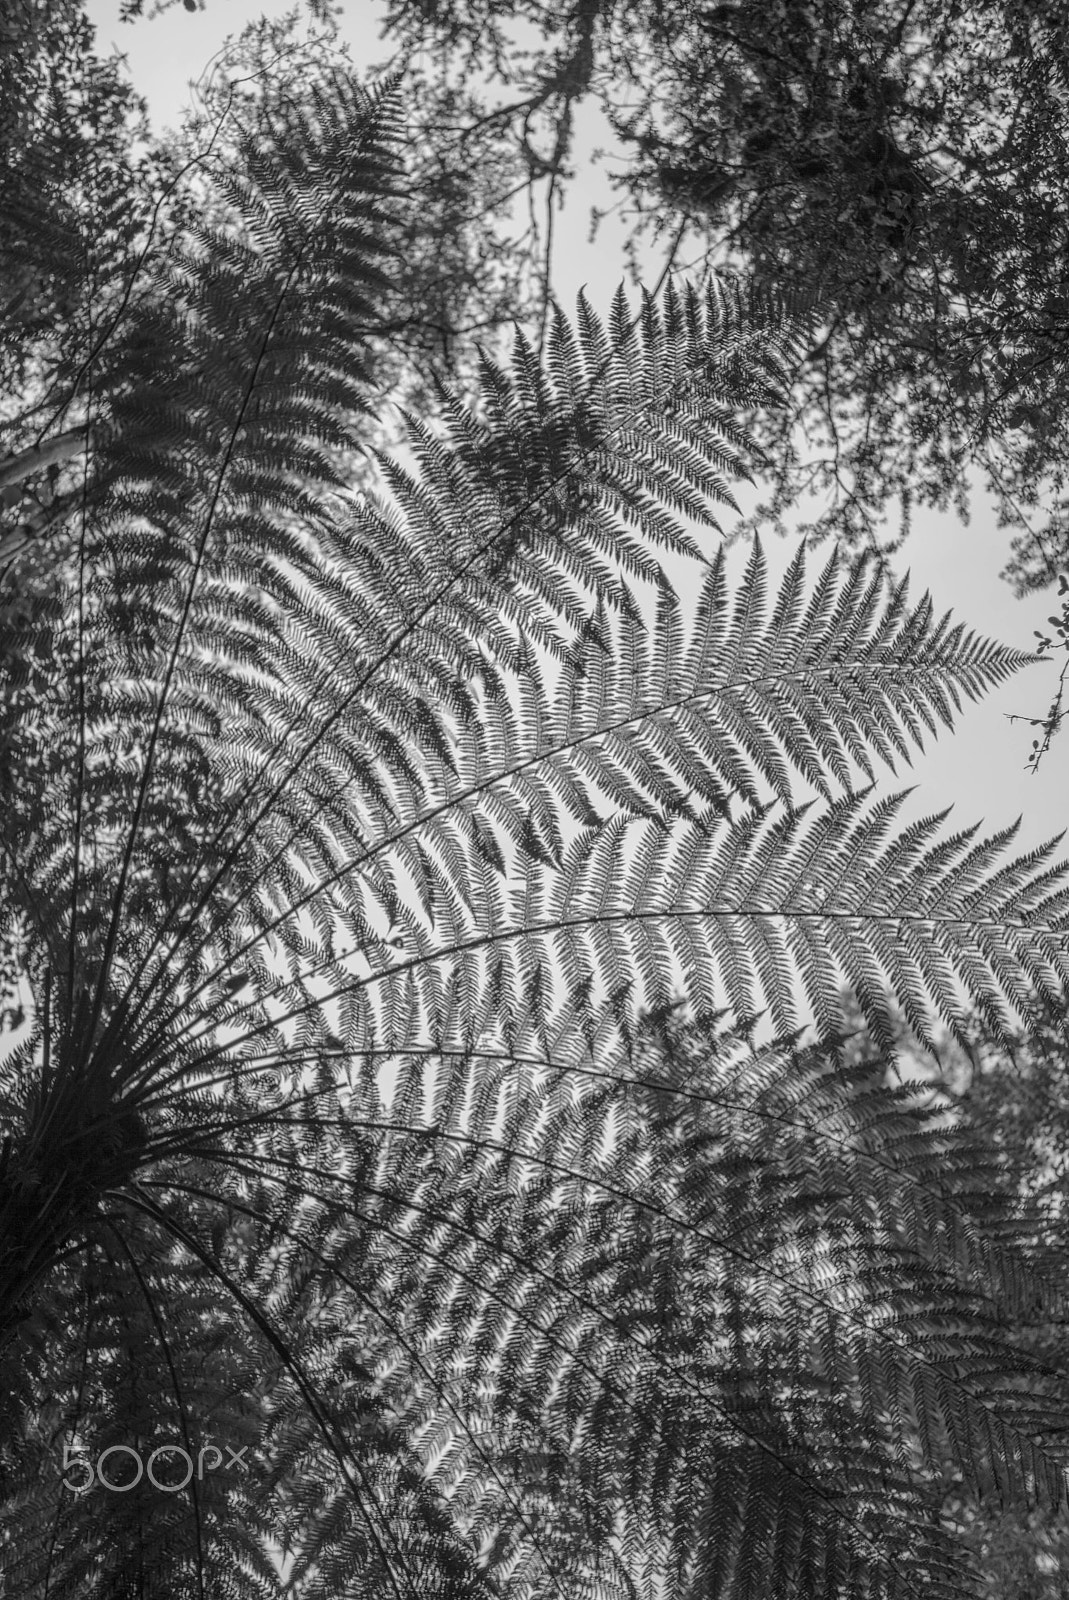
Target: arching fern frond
<point x="459" y="810"/>
<point x="401" y="616"/>
<point x="742" y="1280"/>
<point x="754" y="695"/>
<point x="774" y="910"/>
<point x="622" y="436"/>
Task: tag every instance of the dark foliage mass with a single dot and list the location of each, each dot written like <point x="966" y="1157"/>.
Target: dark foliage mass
<point x="904" y="159"/>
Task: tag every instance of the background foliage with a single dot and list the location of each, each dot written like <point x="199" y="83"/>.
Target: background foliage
<point x="906" y="161"/>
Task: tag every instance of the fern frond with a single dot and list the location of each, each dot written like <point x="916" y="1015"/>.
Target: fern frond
<point x="437" y="799"/>
<point x="597" y="1285"/>
<point x="773" y="911"/>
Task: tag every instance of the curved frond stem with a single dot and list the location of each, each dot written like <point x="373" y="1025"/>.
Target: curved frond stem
<point x="165" y="1346"/>
<point x="89" y="1313"/>
<point x="1053" y="1294"/>
<point x="80" y="713"/>
<point x="263" y="1325"/>
<point x="820" y="914"/>
<point x="249" y="390"/>
<point x="422" y="614"/>
<point x="439" y="1388"/>
<point x="588" y="741"/>
<point x="591" y="1307"/>
<point x="1023" y="1449"/>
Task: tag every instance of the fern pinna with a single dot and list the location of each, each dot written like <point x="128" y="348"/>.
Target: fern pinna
<point x="401" y="875"/>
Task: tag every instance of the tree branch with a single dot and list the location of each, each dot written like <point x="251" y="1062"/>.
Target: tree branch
<point x="13" y="469"/>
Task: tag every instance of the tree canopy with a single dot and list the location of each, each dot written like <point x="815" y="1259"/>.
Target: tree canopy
<point x="904" y="160"/>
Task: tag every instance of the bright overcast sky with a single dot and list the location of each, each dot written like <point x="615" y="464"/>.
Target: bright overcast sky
<point x="980" y="768"/>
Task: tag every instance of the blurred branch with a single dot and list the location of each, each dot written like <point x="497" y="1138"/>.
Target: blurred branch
<point x="15" y="468"/>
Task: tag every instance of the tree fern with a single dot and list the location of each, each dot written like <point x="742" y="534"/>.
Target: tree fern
<point x="315" y="791"/>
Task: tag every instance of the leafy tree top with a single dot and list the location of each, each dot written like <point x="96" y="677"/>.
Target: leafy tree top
<point x="907" y="161"/>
